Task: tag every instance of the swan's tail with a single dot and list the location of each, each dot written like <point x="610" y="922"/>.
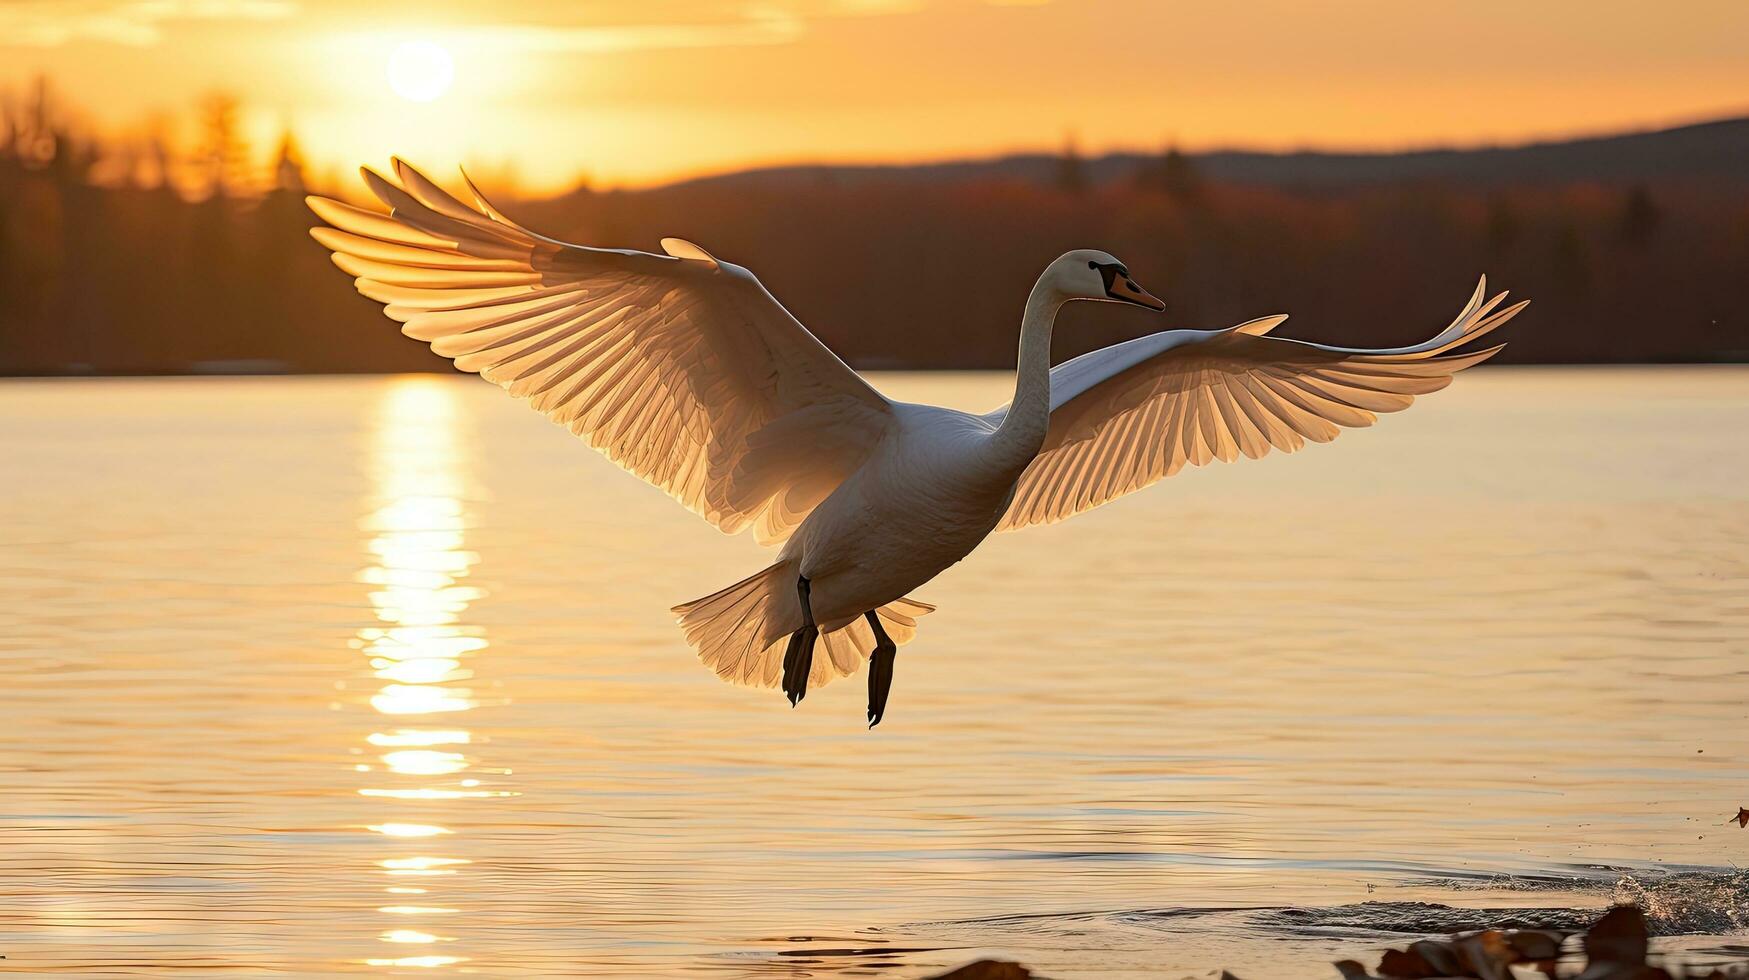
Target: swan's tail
<point x="741" y="631"/>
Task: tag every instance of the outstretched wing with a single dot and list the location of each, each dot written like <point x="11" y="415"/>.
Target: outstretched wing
<point x="1136" y="412"/>
<point x="680" y="368"/>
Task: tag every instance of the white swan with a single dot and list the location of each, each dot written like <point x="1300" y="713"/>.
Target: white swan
<point x="684" y="370"/>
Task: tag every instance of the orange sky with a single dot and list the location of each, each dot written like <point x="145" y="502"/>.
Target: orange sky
<point x="633" y="92"/>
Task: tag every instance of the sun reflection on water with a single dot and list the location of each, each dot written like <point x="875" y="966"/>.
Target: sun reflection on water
<point x="408" y="736"/>
<point x="408" y="829"/>
<point x="419" y="648"/>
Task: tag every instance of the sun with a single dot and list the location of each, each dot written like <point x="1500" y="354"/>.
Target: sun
<point x="420" y="71"/>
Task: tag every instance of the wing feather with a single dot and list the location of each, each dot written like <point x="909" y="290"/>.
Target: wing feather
<point x="683" y="370"/>
<point x="1137" y="412"/>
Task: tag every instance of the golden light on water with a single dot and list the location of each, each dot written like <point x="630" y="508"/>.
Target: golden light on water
<point x="432" y="793"/>
<point x="426" y="670"/>
<point x="420" y="863"/>
<point x="424" y="762"/>
<point x="410" y="936"/>
<point x="408" y="829"/>
<point x="413" y="699"/>
<point x="417" y="961"/>
<point x="406" y="736"/>
<point x="417" y="523"/>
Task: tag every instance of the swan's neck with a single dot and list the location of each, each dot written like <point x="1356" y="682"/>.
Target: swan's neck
<point x="1022" y="432"/>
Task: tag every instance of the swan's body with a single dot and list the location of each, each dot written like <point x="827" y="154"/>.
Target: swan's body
<point x="934" y="488"/>
<point x="684" y="370"/>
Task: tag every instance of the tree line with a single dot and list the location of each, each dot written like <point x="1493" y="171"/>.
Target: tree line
<point x="130" y="257"/>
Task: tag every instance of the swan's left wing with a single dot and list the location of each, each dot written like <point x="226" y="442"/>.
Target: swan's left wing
<point x="1137" y="412"/>
<point x="680" y="368"/>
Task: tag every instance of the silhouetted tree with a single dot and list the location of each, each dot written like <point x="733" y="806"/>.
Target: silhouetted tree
<point x="160" y="168"/>
<point x="280" y="253"/>
<point x="1501" y="227"/>
<point x="1639" y="216"/>
<point x="1570" y="258"/>
<point x="1172" y="174"/>
<point x="288" y="167"/>
<point x="1071" y="175"/>
<point x="222" y="155"/>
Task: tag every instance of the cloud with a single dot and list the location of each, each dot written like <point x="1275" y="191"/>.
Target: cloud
<point x="135" y="23"/>
<point x="875" y="7"/>
<point x="761" y="26"/>
<point x="775" y="22"/>
<point x="143" y="23"/>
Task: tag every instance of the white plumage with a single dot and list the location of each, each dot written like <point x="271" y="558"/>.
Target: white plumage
<point x="1136" y="412"/>
<point x="684" y="370"/>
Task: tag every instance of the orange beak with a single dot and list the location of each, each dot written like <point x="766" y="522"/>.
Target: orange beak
<point x="1125" y="289"/>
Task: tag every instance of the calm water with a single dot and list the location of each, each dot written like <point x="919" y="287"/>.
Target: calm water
<point x="316" y="676"/>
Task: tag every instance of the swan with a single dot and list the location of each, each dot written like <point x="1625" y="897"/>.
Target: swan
<point x="683" y="369"/>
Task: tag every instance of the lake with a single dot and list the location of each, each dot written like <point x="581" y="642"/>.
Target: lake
<point x="310" y="676"/>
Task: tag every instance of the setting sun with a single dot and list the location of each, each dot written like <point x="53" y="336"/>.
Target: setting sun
<point x="553" y="94"/>
<point x="420" y="71"/>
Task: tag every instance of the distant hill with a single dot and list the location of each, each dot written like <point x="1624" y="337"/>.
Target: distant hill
<point x="1633" y="248"/>
<point x="1714" y="151"/>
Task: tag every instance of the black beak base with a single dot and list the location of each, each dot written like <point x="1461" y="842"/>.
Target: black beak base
<point x="1119" y="286"/>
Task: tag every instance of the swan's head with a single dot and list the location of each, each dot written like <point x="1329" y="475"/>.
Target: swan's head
<point x="1087" y="273"/>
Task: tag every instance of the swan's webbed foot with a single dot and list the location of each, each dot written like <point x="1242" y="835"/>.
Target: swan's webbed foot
<point x="880" y="671"/>
<point x="798" y="662"/>
<point x="798" y="659"/>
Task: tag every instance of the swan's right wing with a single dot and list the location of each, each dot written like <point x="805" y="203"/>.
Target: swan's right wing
<point x="1136" y="412"/>
<point x="681" y="369"/>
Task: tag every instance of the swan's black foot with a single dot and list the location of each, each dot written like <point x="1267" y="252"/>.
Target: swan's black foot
<point x="880" y="671"/>
<point x="798" y="660"/>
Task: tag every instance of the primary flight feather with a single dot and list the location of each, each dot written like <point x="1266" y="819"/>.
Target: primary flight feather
<point x="684" y="370"/>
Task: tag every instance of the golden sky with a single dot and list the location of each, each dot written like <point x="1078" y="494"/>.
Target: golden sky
<point x="635" y="91"/>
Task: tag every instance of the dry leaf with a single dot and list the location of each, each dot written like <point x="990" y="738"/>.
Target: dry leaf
<point x="1407" y="964"/>
<point x="1618" y="939"/>
<point x="1487" y="954"/>
<point x="987" y="970"/>
<point x="1615" y="948"/>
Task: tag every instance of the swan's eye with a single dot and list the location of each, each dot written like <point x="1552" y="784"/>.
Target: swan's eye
<point x="1092" y="264"/>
